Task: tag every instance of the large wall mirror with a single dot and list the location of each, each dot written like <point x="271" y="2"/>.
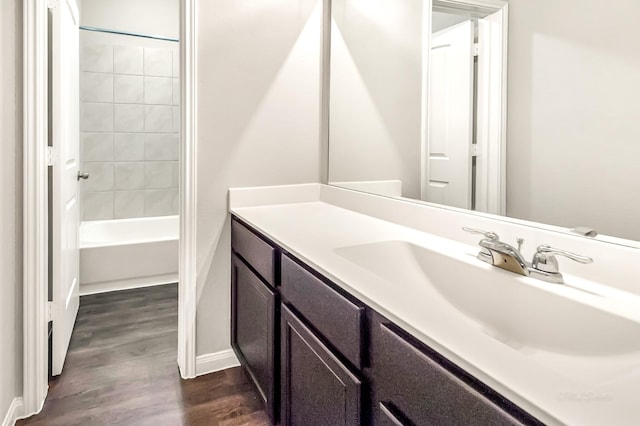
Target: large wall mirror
<point x="526" y="109"/>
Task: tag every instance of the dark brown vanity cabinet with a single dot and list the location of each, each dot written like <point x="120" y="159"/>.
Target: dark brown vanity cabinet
<point x="339" y="320"/>
<point x="254" y="313"/>
<point x="321" y="351"/>
<point x="317" y="388"/>
<point x="412" y="384"/>
<point x="318" y="356"/>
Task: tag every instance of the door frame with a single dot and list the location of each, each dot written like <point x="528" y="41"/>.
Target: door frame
<point x="492" y="123"/>
<point x="35" y="200"/>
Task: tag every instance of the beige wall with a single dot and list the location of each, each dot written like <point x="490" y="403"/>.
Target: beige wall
<point x="573" y="129"/>
<point x="10" y="203"/>
<point x="155" y="17"/>
<point x="376" y="98"/>
<point x="258" y="124"/>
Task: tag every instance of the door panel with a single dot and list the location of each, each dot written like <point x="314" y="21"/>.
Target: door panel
<point x="65" y="211"/>
<point x="317" y="389"/>
<point x="451" y="116"/>
<point x="253" y="329"/>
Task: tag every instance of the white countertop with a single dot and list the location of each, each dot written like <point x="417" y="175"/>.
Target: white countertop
<point x="556" y="388"/>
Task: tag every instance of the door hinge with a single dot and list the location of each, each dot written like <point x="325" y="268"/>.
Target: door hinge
<point x="475" y="150"/>
<point x="49" y="311"/>
<point x="476" y="49"/>
<point x="50" y="157"/>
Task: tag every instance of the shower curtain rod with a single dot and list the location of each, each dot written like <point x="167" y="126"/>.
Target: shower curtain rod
<point x="103" y="30"/>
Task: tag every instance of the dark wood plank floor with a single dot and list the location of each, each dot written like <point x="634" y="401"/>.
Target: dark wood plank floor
<point x="121" y="370"/>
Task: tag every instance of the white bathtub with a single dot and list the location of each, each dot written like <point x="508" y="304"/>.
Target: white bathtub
<point x="128" y="253"/>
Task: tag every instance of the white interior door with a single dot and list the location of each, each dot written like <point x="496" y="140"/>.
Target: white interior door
<point x="65" y="213"/>
<point x="450" y="103"/>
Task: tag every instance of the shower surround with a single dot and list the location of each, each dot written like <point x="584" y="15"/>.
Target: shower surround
<point x="130" y="118"/>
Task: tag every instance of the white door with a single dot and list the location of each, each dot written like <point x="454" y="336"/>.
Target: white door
<point x="450" y="116"/>
<point x="65" y="140"/>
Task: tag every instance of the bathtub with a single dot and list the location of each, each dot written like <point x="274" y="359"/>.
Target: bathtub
<point x="128" y="253"/>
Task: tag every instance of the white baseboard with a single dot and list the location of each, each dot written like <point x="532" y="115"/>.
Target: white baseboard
<point x="209" y="363"/>
<point x="14" y="412"/>
<point x="128" y="284"/>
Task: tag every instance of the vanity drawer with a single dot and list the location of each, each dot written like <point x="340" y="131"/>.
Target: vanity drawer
<point x="413" y="387"/>
<point x="258" y="253"/>
<point x="336" y="318"/>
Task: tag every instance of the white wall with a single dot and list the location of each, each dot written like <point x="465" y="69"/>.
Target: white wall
<point x="155" y="17"/>
<point x="258" y="124"/>
<point x="376" y="98"/>
<point x="573" y="150"/>
<point x="10" y="203"/>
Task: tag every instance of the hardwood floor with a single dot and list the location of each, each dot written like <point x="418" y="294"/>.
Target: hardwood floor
<point x="121" y="370"/>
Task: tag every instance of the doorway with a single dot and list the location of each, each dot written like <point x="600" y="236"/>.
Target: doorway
<point x="115" y="143"/>
<point x="36" y="161"/>
<point x="465" y="80"/>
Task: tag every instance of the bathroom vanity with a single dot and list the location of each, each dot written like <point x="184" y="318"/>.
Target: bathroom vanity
<point x="341" y="362"/>
<point x="344" y="312"/>
<point x="346" y="309"/>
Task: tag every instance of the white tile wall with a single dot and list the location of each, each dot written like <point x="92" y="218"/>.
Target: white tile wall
<point x="158" y="62"/>
<point x="158" y="119"/>
<point x="176" y="91"/>
<point x="97" y="205"/>
<point x="162" y="146"/>
<point x="176" y="63"/>
<point x="128" y="117"/>
<point x="97" y="146"/>
<point x="127" y="204"/>
<point x="129" y="175"/>
<point x="100" y="176"/>
<point x="97" y="58"/>
<point x="160" y="202"/>
<point x="158" y="91"/>
<point x="130" y="139"/>
<point x="129" y="147"/>
<point x="97" y="117"/>
<point x="159" y="174"/>
<point x="96" y="87"/>
<point x="175" y="119"/>
<point x="128" y="89"/>
<point x="175" y="175"/>
<point x="128" y="60"/>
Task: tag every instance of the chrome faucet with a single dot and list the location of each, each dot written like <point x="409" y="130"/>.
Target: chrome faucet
<point x="544" y="265"/>
<point x="499" y="253"/>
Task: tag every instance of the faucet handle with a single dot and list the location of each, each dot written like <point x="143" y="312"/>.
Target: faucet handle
<point x="545" y="260"/>
<point x="487" y="234"/>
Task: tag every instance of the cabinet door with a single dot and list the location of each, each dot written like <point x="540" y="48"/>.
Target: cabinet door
<point x="317" y="389"/>
<point x="253" y="307"/>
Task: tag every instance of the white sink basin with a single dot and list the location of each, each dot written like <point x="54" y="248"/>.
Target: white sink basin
<point x="502" y="304"/>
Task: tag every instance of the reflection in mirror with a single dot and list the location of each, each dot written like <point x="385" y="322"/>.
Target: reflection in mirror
<point x="414" y="113"/>
<point x="463" y="144"/>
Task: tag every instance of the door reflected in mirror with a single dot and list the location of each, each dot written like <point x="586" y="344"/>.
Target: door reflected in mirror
<point x="421" y="108"/>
